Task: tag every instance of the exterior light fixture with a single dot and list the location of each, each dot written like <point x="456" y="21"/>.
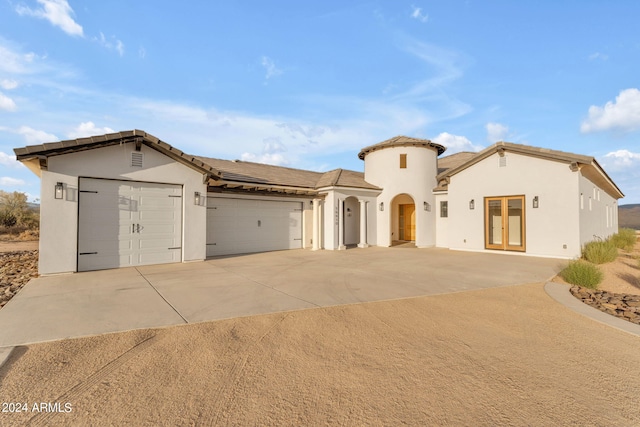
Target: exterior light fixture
<point x="427" y="206"/>
<point x="472" y="204"/>
<point x="535" y="202"/>
<point x="59" y="190"/>
<point x="348" y="211"/>
<point x="381" y="206"/>
<point x="196" y="199"/>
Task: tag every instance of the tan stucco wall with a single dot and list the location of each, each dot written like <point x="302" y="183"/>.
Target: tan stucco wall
<point x="59" y="218"/>
<point x="548" y="228"/>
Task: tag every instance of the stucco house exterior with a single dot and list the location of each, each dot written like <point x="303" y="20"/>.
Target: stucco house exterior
<point x="128" y="199"/>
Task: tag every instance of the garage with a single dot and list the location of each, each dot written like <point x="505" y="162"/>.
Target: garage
<point x="237" y="226"/>
<point x="128" y="223"/>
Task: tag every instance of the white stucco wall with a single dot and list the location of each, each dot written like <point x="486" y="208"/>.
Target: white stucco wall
<point x="442" y="224"/>
<point x="59" y="218"/>
<point x="382" y="169"/>
<point x="598" y="212"/>
<point x="551" y="230"/>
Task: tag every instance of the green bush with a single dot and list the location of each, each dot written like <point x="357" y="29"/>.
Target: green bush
<point x="583" y="274"/>
<point x="600" y="252"/>
<point x="624" y="239"/>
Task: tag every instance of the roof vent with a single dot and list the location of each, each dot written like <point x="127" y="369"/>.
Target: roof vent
<point x="503" y="161"/>
<point x="136" y="159"/>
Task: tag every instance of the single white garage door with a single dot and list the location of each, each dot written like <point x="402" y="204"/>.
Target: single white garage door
<point x="128" y="223"/>
<point x="238" y="226"/>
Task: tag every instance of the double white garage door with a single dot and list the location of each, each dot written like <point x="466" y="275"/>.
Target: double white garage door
<point x="129" y="223"/>
<point x="237" y="226"/>
<point x="126" y="223"/>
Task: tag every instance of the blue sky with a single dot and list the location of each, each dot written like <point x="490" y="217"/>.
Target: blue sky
<point x="307" y="84"/>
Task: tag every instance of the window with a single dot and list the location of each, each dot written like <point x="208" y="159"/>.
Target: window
<point x="590" y="203"/>
<point x="444" y="209"/>
<point x="403" y="161"/>
<point x="581" y="201"/>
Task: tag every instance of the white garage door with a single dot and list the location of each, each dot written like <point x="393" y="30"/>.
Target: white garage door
<point x="127" y="223"/>
<point x="237" y="226"/>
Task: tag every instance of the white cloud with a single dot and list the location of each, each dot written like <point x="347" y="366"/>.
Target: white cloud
<point x="57" y="12"/>
<point x="496" y="132"/>
<point x="34" y="136"/>
<point x="456" y="143"/>
<point x="142" y="52"/>
<point x="7" y="103"/>
<point x="622" y="159"/>
<point x="622" y="114"/>
<point x="598" y="55"/>
<point x="111" y="43"/>
<point x="270" y="68"/>
<point x="13" y="62"/>
<point x="7" y="84"/>
<point x="11" y="182"/>
<point x="10" y="161"/>
<point x="417" y="14"/>
<point x="88" y="129"/>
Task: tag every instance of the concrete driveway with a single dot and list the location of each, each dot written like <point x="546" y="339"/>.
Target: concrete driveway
<point x="65" y="306"/>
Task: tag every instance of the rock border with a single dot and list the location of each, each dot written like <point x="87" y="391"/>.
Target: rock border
<point x="17" y="268"/>
<point x="623" y="306"/>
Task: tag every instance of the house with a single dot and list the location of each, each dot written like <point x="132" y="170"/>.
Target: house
<point x="128" y="199"/>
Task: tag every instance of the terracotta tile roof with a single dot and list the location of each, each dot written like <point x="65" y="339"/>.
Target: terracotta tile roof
<point x="401" y="141"/>
<point x="260" y="173"/>
<point x="344" y="178"/>
<point x="454" y="160"/>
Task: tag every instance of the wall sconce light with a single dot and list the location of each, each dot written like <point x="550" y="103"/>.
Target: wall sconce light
<point x="348" y="211"/>
<point x="535" y="202"/>
<point x="427" y="206"/>
<point x="59" y="190"/>
<point x="196" y="198"/>
<point x="472" y="204"/>
<point x="381" y="206"/>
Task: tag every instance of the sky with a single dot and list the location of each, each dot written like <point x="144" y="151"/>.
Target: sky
<point x="308" y="84"/>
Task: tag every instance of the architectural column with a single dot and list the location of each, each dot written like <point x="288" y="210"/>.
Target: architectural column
<point x="363" y="224"/>
<point x="341" y="245"/>
<point x="316" y="225"/>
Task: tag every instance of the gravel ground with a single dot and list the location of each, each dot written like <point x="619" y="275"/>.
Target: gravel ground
<point x="502" y="356"/>
<point x="16" y="269"/>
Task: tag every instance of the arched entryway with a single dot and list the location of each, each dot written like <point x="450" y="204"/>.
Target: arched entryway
<point x="351" y="218"/>
<point x="403" y="219"/>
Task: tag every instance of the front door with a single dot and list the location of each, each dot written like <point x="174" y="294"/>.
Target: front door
<point x="505" y="223"/>
<point x="407" y="222"/>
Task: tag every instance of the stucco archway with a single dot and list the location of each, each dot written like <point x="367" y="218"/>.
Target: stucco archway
<point x="403" y="219"/>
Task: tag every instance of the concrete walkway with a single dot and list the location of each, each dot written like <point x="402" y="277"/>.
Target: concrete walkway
<point x="82" y="304"/>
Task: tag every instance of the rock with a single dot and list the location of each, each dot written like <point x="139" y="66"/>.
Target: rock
<point x="624" y="306"/>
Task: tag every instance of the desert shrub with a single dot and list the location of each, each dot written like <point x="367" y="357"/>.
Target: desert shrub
<point x="600" y="252"/>
<point x="7" y="218"/>
<point x="15" y="211"/>
<point x="583" y="274"/>
<point x="29" y="234"/>
<point x="624" y="239"/>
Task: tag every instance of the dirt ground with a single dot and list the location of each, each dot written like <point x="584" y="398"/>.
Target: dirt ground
<point x="504" y="356"/>
<point x="621" y="276"/>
